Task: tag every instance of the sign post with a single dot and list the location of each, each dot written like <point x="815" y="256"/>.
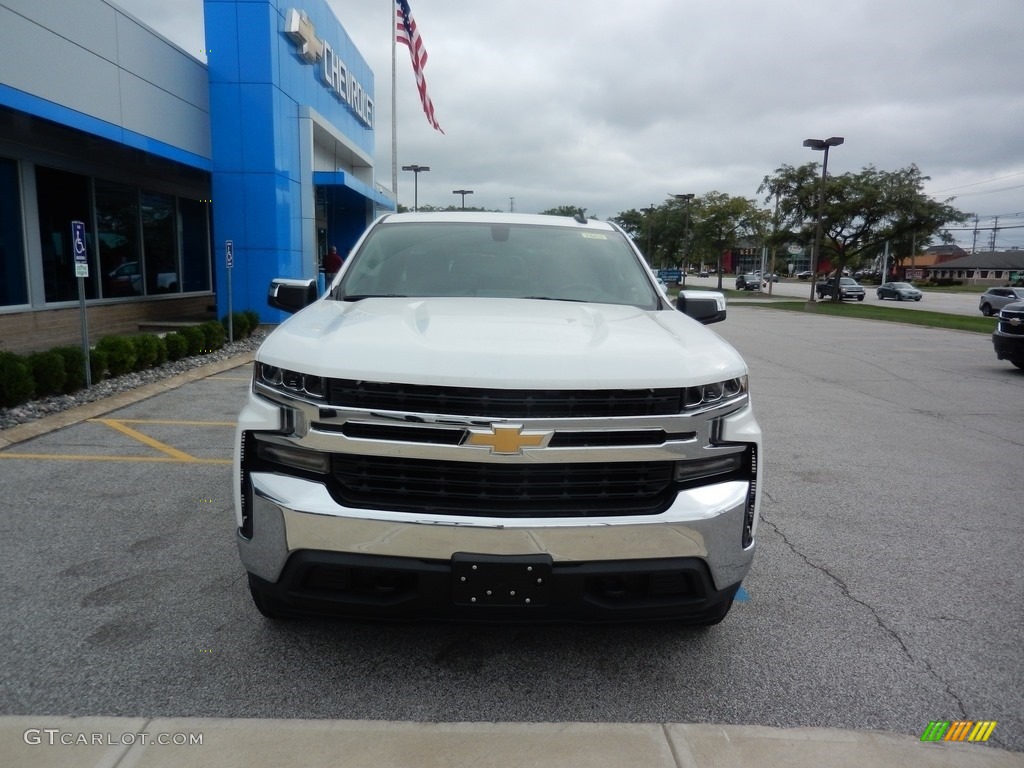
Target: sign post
<point x="81" y="272"/>
<point x="229" y="256"/>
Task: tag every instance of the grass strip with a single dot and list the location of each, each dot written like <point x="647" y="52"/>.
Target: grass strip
<point x="870" y="312"/>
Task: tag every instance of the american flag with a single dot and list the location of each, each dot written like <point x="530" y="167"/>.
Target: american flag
<point x="405" y="33"/>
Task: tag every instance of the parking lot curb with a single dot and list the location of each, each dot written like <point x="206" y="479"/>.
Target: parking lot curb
<point x="22" y="432"/>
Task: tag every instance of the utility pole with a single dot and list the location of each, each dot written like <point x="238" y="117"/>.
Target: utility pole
<point x="974" y="243"/>
<point x="511" y="204"/>
<point x="995" y="228"/>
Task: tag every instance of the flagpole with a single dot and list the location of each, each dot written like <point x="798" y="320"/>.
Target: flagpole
<point x="394" y="102"/>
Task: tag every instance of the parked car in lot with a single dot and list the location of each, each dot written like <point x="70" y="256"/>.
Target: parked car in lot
<point x="805" y="275"/>
<point x="704" y="273"/>
<point x="848" y="288"/>
<point x="994" y="299"/>
<point x="126" y="280"/>
<point x="1008" y="337"/>
<point x="898" y="291"/>
<point x="496" y="417"/>
<point x="748" y="282"/>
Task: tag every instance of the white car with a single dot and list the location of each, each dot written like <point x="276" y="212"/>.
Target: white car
<point x="497" y="417"/>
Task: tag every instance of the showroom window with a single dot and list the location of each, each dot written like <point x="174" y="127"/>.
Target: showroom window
<point x="159" y="244"/>
<point x="117" y="222"/>
<point x="62" y="198"/>
<point x="13" y="286"/>
<point x="195" y="244"/>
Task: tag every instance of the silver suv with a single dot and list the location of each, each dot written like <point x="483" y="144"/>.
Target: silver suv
<point x="994" y="299"/>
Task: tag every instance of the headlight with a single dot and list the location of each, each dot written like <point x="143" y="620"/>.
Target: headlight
<point x="294" y="382"/>
<point x="717" y="392"/>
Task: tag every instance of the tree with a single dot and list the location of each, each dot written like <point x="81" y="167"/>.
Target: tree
<point x="565" y="210"/>
<point x="861" y="211"/>
<point x="719" y="221"/>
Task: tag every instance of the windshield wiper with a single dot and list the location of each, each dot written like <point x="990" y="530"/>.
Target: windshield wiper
<point x="361" y="296"/>
<point x="555" y="298"/>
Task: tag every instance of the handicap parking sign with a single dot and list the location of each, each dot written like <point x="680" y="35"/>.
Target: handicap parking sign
<point x="79" y="250"/>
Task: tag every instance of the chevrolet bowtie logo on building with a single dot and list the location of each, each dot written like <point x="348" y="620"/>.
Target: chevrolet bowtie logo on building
<point x="302" y="32"/>
<point x="508" y="439"/>
<point x="334" y="73"/>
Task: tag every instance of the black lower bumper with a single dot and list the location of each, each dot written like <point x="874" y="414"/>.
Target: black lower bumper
<point x="1008" y="347"/>
<point x="493" y="588"/>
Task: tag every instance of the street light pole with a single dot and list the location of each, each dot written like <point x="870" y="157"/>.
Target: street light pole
<point x="417" y="170"/>
<point x="818" y="145"/>
<point x="462" y="192"/>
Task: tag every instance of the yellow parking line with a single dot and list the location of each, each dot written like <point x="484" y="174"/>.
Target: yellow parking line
<point x="146" y="439"/>
<point x="93" y="457"/>
<point x="174" y="421"/>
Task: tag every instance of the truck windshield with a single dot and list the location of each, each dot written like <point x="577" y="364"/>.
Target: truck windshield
<point x="528" y="261"/>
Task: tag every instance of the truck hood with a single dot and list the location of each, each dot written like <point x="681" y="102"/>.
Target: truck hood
<point x="500" y="343"/>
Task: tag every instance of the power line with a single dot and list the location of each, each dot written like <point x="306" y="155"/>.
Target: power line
<point x="975" y="184"/>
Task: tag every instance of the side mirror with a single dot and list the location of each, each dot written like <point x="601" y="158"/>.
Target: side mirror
<point x="703" y="306"/>
<point x="291" y="295"/>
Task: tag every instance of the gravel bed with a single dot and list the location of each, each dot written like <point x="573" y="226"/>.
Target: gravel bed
<point x="36" y="409"/>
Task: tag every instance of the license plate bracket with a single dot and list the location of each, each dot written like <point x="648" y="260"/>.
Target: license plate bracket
<point x="500" y="580"/>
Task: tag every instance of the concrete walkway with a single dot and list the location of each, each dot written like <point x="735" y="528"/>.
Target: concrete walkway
<point x="108" y="742"/>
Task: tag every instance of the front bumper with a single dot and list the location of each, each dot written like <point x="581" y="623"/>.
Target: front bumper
<point x="307" y="550"/>
<point x="311" y="555"/>
<point x="1008" y="346"/>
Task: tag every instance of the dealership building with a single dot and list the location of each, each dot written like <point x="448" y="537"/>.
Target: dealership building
<point x="262" y="159"/>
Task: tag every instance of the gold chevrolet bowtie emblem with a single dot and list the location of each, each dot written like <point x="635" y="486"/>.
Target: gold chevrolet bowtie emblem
<point x="506" y="438"/>
<point x="302" y="32"/>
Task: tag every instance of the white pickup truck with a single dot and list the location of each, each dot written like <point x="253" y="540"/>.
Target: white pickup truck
<point x="496" y="417"/>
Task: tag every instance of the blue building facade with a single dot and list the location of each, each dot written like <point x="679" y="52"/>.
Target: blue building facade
<point x="292" y="116"/>
<point x="165" y="158"/>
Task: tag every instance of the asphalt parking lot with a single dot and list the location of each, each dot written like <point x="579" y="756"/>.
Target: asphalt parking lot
<point x="885" y="592"/>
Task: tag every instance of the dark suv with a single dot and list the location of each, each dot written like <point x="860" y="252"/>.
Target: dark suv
<point x="749" y="282"/>
<point x="1008" y="337"/>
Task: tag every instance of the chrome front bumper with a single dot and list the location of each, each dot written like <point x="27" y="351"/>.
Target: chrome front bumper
<point x="291" y="514"/>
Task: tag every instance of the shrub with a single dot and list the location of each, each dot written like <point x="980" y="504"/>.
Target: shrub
<point x="240" y="324"/>
<point x="195" y="338"/>
<point x="120" y="354"/>
<point x="254" y="320"/>
<point x="213" y="335"/>
<point x="177" y="345"/>
<point x="97" y="364"/>
<point x="15" y="380"/>
<point x="47" y="372"/>
<point x="145" y="351"/>
<point x="161" y="350"/>
<point x="74" y="367"/>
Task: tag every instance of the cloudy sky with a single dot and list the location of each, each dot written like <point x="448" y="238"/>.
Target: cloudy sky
<point x="615" y="105"/>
